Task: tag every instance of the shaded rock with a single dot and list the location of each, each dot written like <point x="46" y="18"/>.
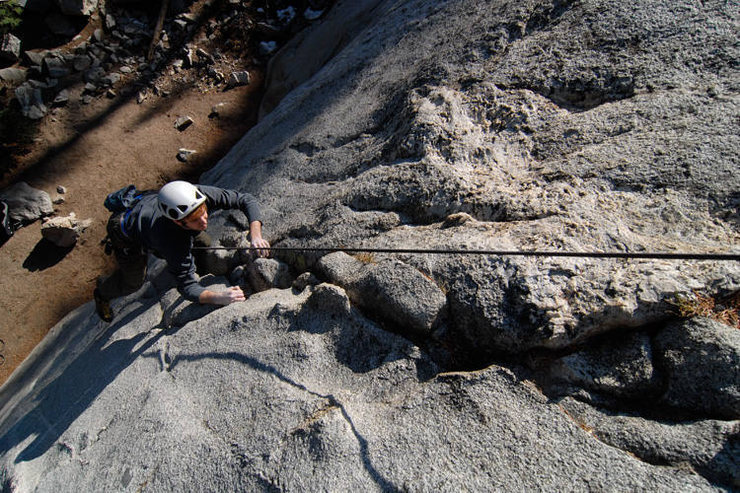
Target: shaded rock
<point x="239" y="78"/>
<point x="620" y="365"/>
<point x="64" y="231"/>
<point x="710" y="446"/>
<point x="26" y="204"/>
<point x="701" y="359"/>
<point x="56" y="67"/>
<point x="304" y="280"/>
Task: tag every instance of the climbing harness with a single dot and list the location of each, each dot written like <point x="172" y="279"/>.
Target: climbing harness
<point x="501" y="253"/>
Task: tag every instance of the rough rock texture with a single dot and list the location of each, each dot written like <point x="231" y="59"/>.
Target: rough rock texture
<point x="710" y="446"/>
<point x="390" y="291"/>
<point x="64" y="231"/>
<point x="291" y="392"/>
<point x="591" y="125"/>
<point x="701" y="358"/>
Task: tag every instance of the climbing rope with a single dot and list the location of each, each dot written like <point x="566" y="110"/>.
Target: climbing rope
<point x="502" y="253"/>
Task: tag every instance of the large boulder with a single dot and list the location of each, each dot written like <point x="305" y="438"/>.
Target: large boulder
<point x="292" y="391"/>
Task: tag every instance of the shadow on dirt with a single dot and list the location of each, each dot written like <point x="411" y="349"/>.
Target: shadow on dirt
<point x="44" y="255"/>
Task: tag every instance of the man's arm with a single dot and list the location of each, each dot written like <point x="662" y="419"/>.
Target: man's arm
<point x="255" y="236"/>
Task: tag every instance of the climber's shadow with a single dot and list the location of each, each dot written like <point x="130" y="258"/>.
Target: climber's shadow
<point x="44" y="255"/>
<point x="79" y="384"/>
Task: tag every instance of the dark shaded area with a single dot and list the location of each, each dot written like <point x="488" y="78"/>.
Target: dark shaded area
<point x="44" y="255"/>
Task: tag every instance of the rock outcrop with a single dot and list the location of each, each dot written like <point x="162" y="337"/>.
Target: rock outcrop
<point x="502" y="125"/>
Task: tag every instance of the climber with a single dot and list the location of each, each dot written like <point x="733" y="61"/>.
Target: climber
<point x="167" y="224"/>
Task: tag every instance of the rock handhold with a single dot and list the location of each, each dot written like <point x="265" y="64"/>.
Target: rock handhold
<point x="264" y="274"/>
<point x="390" y="290"/>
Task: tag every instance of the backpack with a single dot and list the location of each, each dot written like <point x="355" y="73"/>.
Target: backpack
<point x="123" y="199"/>
<point x="6" y="229"/>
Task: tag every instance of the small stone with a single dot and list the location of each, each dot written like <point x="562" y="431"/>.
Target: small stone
<point x="183" y="155"/>
<point x="62" y="98"/>
<point x="239" y="78"/>
<point x="82" y="63"/>
<point x="183" y="122"/>
<point x="216" y="110"/>
<point x="141" y="97"/>
<point x="10" y="74"/>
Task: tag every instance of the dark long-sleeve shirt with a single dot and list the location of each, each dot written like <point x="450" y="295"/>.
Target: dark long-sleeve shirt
<point x="161" y="236"/>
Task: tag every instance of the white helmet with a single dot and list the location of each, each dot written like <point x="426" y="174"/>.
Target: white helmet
<point x="179" y="198"/>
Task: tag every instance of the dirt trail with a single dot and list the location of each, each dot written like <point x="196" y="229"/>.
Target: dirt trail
<point x="91" y="150"/>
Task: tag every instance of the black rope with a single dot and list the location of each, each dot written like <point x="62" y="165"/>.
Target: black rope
<point x="502" y="253"/>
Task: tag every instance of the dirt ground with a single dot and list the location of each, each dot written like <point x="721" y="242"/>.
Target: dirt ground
<point x="91" y="150"/>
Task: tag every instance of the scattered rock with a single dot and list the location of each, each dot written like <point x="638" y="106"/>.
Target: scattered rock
<point x="13" y="75"/>
<point x="61" y="98"/>
<point x="64" y="231"/>
<point x="217" y="110"/>
<point x="183" y="122"/>
<point x="183" y="155"/>
<point x="240" y="78"/>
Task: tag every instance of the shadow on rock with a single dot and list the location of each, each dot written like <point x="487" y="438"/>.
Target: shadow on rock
<point x="44" y="255"/>
<point x="77" y="386"/>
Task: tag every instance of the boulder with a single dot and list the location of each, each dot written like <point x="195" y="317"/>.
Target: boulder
<point x="10" y="47"/>
<point x="64" y="231"/>
<point x="26" y="204"/>
<point x="298" y="391"/>
<point x="390" y="290"/>
<point x="701" y="359"/>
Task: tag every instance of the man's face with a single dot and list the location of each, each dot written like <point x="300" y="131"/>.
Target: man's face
<point x="196" y="220"/>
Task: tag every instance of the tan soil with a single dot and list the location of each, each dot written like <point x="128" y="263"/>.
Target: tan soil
<point x="92" y="150"/>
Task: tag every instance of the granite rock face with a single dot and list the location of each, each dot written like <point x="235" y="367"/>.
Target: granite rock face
<point x="529" y="125"/>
